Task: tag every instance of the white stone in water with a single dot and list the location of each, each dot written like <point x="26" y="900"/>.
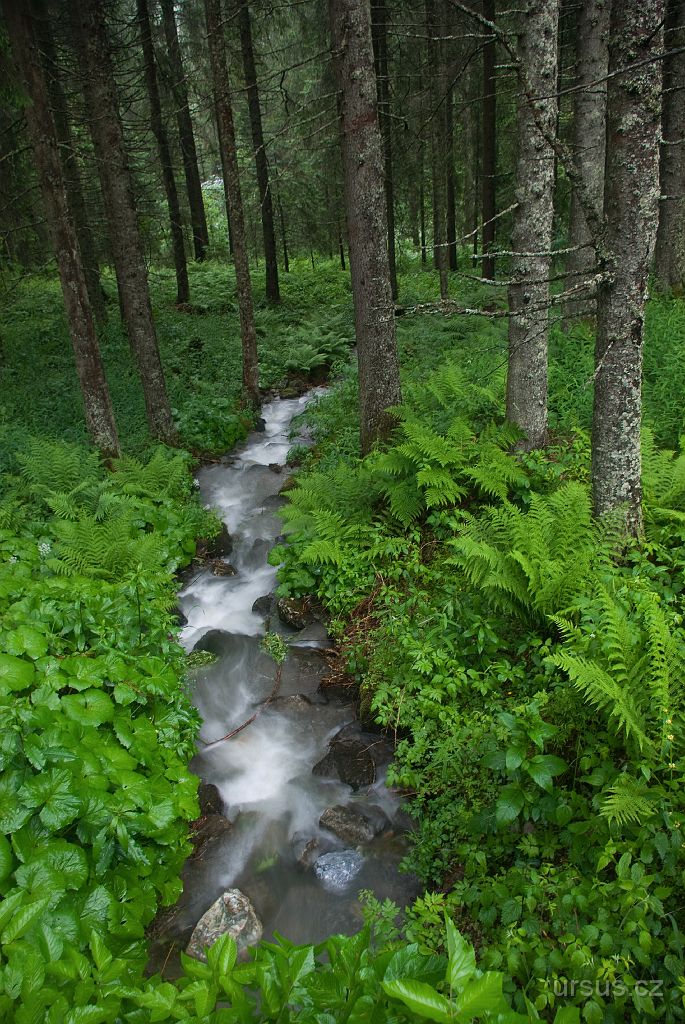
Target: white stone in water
<point x="336" y="870"/>
<point x="233" y="915"/>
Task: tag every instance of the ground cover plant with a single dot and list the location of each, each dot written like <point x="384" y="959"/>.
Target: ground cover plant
<point x="528" y="664"/>
<point x="529" y="661"/>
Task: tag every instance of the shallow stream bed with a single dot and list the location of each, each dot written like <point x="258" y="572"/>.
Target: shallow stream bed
<point x="273" y="847"/>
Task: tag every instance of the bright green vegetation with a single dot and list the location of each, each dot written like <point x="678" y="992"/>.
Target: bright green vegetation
<point x="200" y="352"/>
<point x="529" y="663"/>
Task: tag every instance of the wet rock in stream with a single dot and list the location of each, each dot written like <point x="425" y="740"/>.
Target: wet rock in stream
<point x="206" y="830"/>
<point x="336" y="870"/>
<point x="219" y="546"/>
<point x="302" y="672"/>
<point x="295" y="612"/>
<point x="232" y="914"/>
<point x="222" y="568"/>
<point x="315" y="635"/>
<point x="209" y="799"/>
<point x="354" y="757"/>
<point x="263" y="605"/>
<point x="353" y="826"/>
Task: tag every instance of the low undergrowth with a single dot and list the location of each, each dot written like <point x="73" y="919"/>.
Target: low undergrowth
<point x="98" y="730"/>
<point x="530" y="663"/>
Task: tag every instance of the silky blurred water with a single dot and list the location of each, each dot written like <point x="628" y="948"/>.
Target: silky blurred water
<point x="264" y="773"/>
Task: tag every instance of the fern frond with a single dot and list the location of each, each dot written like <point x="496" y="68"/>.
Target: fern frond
<point x="628" y="802"/>
<point x="600" y="689"/>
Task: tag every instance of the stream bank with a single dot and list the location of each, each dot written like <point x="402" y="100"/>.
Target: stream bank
<point x="295" y="811"/>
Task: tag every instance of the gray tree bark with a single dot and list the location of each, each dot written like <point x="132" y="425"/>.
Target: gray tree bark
<point x="631" y="201"/>
<point x="261" y="163"/>
<point x="379" y="381"/>
<point x="164" y="152"/>
<point x="489" y="136"/>
<point x="532" y="230"/>
<point x="379" y="37"/>
<point x="670" y="239"/>
<point x="71" y="171"/>
<point x="124" y="235"/>
<point x="436" y="93"/>
<point x="96" y="398"/>
<point x="186" y="134"/>
<point x="229" y="162"/>
<point x="589" y="147"/>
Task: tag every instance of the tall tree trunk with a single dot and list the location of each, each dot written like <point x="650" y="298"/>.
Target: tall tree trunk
<point x="422" y="209"/>
<point x="670" y="239"/>
<point x="450" y="185"/>
<point x="532" y="231"/>
<point x="96" y="399"/>
<point x="71" y="171"/>
<point x="439" y="178"/>
<point x="159" y="132"/>
<point x="379" y="34"/>
<point x="489" y="146"/>
<point x="341" y="247"/>
<point x="179" y="89"/>
<point x="589" y="144"/>
<point x="379" y="380"/>
<point x="631" y="203"/>
<point x="124" y="235"/>
<point x="229" y="163"/>
<point x="261" y="162"/>
<point x="413" y="204"/>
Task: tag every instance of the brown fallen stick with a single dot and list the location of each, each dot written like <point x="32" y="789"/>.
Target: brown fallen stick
<point x="250" y="720"/>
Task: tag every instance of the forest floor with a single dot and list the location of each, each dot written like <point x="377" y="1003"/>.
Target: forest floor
<point x="529" y="666"/>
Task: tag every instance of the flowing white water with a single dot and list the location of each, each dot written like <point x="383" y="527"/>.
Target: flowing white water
<point x="264" y="774"/>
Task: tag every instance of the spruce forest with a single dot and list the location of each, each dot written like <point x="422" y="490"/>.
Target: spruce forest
<point x="342" y="511"/>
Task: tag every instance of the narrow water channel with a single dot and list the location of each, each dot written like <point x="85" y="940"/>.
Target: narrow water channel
<point x="273" y="849"/>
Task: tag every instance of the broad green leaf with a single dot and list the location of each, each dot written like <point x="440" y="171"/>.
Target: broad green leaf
<point x="23" y="919"/>
<point x="509" y="805"/>
<point x="481" y="996"/>
<point x="543" y="768"/>
<point x="567" y="1015"/>
<point x="101" y="955"/>
<point x="91" y="707"/>
<point x="10" y="905"/>
<point x="15" y="673"/>
<point x="27" y="640"/>
<point x="88" y="1015"/>
<point x="496" y="760"/>
<point x="420" y="998"/>
<point x="461" y="964"/>
<point x="222" y="955"/>
<point x="50" y="942"/>
<point x="300" y="964"/>
<point x="54" y="791"/>
<point x="6" y="858"/>
<point x="13" y="811"/>
<point x="513" y="758"/>
<point x="408" y="962"/>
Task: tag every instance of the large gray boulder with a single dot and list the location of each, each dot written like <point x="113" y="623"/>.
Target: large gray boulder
<point x="295" y="612"/>
<point x="354" y="757"/>
<point x="353" y="826"/>
<point x="233" y="915"/>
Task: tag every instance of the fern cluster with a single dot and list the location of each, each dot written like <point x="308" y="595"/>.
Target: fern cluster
<point x="626" y="660"/>
<point x="106" y="524"/>
<point x="663" y="481"/>
<point x="532" y="563"/>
